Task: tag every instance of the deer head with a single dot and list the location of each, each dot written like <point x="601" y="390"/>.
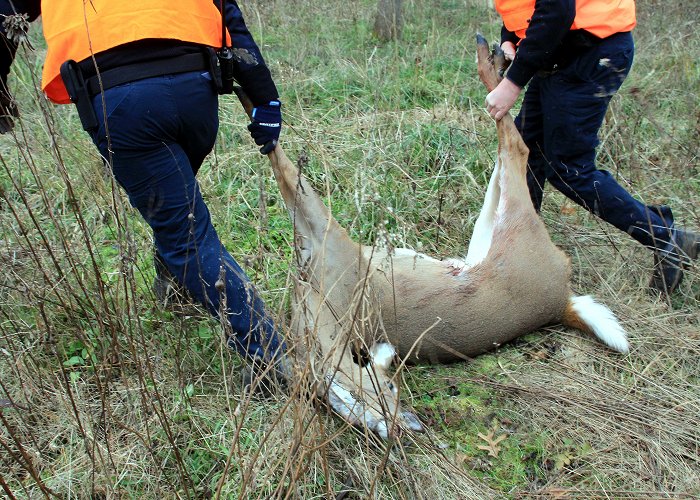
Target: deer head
<point x="337" y="320"/>
<point x="367" y="395"/>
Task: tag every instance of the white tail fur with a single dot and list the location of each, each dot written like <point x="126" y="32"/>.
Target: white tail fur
<point x="599" y="320"/>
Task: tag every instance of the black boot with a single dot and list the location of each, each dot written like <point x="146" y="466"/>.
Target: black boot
<point x="266" y="379"/>
<point x="671" y="258"/>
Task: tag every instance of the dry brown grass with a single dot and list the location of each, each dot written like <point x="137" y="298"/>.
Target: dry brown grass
<point x="155" y="407"/>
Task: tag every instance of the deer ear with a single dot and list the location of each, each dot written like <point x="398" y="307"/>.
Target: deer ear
<point x="382" y="354"/>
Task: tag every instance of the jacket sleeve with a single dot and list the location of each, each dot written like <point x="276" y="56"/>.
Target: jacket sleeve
<point x="508" y="36"/>
<point x="8" y="47"/>
<point x="550" y="23"/>
<point x="250" y="70"/>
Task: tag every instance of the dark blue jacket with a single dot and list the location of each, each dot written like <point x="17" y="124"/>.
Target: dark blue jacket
<point x="546" y="39"/>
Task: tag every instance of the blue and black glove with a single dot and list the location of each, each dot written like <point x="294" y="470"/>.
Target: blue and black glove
<point x="266" y="125"/>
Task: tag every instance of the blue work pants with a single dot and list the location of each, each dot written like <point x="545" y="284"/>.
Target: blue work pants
<point x="159" y="130"/>
<point x="561" y="114"/>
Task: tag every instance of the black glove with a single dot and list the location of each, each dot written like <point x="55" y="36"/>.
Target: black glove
<point x="8" y="111"/>
<point x="266" y="125"/>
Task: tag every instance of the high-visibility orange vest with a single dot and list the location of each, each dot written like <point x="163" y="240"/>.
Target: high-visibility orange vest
<point x="600" y="17"/>
<point x="76" y="29"/>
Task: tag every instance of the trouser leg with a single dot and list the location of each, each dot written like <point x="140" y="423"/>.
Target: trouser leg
<point x="160" y="130"/>
<point x="574" y="101"/>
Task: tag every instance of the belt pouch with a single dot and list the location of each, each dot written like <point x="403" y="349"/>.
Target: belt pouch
<point x="77" y="91"/>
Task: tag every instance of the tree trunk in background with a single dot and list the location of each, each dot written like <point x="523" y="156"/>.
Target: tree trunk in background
<point x="388" y="23"/>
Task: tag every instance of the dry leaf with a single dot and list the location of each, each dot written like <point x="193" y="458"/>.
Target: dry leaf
<point x="563" y="460"/>
<point x="462" y="458"/>
<point x="491" y="443"/>
<point x="540" y="355"/>
<point x="567" y="210"/>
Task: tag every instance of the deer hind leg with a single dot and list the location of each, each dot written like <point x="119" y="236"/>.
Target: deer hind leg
<point x="482" y="235"/>
<point x="582" y="312"/>
<point x="507" y="187"/>
<point x="506" y="181"/>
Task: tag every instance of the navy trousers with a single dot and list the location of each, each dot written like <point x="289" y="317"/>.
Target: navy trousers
<point x="159" y="130"/>
<point x="559" y="120"/>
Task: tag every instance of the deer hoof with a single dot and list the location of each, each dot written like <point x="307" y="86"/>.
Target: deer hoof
<point x="412" y="422"/>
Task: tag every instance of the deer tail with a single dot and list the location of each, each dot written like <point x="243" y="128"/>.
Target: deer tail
<point x="584" y="313"/>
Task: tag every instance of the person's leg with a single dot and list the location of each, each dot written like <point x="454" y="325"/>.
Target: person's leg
<point x="575" y="100"/>
<point x="146" y="121"/>
<point x="529" y="124"/>
<point x="195" y="136"/>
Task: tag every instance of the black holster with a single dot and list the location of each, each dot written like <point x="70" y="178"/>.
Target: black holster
<point x="79" y="95"/>
<point x="225" y="59"/>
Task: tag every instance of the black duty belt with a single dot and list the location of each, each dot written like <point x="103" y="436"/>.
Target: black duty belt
<point x="138" y="71"/>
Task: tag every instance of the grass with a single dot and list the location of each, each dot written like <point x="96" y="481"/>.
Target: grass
<point x="106" y="394"/>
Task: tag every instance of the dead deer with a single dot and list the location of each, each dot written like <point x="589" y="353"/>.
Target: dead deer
<point x="352" y="299"/>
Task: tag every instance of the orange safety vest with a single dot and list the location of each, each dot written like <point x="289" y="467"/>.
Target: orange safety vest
<point x="76" y="29"/>
<point x="599" y="17"/>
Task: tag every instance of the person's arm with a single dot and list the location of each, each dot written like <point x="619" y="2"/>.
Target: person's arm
<point x="250" y="69"/>
<point x="551" y="21"/>
<point x="508" y="36"/>
<point x="251" y="72"/>
<point x="8" y="47"/>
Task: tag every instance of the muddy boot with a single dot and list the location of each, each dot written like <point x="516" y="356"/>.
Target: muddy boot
<point x="671" y="259"/>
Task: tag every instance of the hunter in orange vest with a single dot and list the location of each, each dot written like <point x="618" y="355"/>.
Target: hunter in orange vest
<point x="559" y="28"/>
<point x="76" y="30"/>
<point x="602" y="18"/>
<point x="573" y="56"/>
<point x="145" y="76"/>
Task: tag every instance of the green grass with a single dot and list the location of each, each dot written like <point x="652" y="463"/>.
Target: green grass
<point x="118" y="397"/>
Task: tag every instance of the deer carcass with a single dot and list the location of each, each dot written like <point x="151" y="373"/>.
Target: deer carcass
<point x="352" y="299"/>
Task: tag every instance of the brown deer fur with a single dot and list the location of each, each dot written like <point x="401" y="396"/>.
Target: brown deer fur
<point x="352" y="298"/>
